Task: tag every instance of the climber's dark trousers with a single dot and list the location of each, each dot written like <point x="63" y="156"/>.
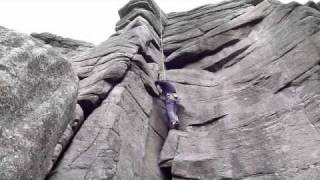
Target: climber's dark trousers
<point x="171" y="111"/>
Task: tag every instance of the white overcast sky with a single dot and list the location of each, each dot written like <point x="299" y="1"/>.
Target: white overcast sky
<point x="88" y="20"/>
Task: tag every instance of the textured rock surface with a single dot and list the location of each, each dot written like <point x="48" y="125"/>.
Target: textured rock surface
<point x="38" y="91"/>
<point x="123" y="132"/>
<point x="253" y="113"/>
<point x="247" y="74"/>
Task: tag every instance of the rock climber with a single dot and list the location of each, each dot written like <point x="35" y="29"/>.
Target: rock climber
<point x="171" y="98"/>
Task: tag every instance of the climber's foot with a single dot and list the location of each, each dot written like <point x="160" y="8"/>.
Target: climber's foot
<point x="175" y="125"/>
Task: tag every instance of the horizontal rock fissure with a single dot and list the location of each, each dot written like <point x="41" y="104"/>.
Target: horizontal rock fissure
<point x="189" y="57"/>
<point x="289" y="83"/>
<point x="209" y="121"/>
<point x="220" y="64"/>
<point x="258" y="174"/>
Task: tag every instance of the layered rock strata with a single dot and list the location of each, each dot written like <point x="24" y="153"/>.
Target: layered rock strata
<point x="123" y="131"/>
<point x="247" y="75"/>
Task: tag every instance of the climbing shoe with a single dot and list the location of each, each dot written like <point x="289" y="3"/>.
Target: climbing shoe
<point x="175" y="125"/>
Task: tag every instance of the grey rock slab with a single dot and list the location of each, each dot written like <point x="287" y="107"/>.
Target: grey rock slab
<point x="170" y="148"/>
<point x="148" y="83"/>
<point x="193" y="33"/>
<point x="207" y="19"/>
<point x="97" y="144"/>
<point x="133" y="83"/>
<point x="191" y="77"/>
<point x="199" y="104"/>
<point x="109" y="129"/>
<point x="205" y="11"/>
<point x="158" y="121"/>
<point x="153" y="148"/>
<point x="248" y="147"/>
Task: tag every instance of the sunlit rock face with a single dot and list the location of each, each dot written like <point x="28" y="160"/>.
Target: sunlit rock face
<point x="246" y="71"/>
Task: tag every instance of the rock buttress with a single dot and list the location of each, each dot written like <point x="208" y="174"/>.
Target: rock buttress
<point x="123" y="131"/>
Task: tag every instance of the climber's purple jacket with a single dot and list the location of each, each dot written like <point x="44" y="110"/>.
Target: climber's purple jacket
<point x="166" y="87"/>
<point x="170" y="101"/>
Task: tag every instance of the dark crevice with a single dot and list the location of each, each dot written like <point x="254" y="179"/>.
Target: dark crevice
<point x="190" y="57"/>
<point x="155" y="131"/>
<point x="258" y="174"/>
<point x="188" y="178"/>
<point x="285" y="86"/>
<point x="285" y="53"/>
<point x="154" y="43"/>
<point x="250" y="24"/>
<point x="164" y="162"/>
<point x="190" y="84"/>
<point x="209" y="121"/>
<point x="239" y="58"/>
<point x="290" y="83"/>
<point x="167" y="172"/>
<point x="255" y="2"/>
<point x="143" y="53"/>
<point x="221" y="64"/>
<point x="295" y="5"/>
<point x="88" y="106"/>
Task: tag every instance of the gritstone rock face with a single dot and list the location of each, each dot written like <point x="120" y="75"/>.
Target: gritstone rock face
<point x="246" y="72"/>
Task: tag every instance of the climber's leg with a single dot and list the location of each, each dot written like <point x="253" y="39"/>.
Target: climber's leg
<point x="172" y="115"/>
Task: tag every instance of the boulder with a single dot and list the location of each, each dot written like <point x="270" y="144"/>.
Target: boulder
<point x="38" y="91"/>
